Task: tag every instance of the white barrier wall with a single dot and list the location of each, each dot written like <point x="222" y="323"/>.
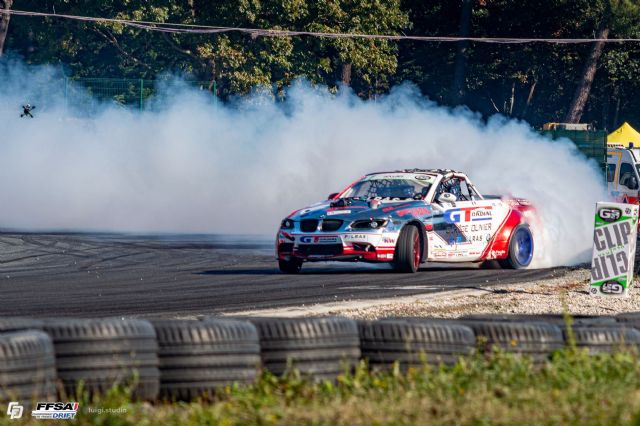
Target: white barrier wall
<point x="614" y="247"/>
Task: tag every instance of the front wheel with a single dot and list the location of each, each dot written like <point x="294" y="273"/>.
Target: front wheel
<point x="408" y="250"/>
<point x="292" y="266"/>
<point x="520" y="249"/>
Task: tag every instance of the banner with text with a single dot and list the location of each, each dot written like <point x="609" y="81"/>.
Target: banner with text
<point x="614" y="248"/>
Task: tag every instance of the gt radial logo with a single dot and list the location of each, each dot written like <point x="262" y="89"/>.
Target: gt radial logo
<point x="55" y="410"/>
<point x="468" y="214"/>
<point x="15" y="410"/>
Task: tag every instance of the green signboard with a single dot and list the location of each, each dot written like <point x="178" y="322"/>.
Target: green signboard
<point x="614" y="247"/>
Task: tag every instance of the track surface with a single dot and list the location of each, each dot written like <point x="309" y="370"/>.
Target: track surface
<point x="105" y="274"/>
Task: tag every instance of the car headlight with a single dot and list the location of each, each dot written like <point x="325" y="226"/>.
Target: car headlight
<point x="369" y="224"/>
<point x="286" y="224"/>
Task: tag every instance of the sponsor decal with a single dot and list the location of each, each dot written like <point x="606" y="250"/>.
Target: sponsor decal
<point x="612" y="287"/>
<point x="614" y="245"/>
<point x="285" y="236"/>
<point x="55" y="410"/>
<point x="309" y="239"/>
<point x="355" y="237"/>
<point x="14" y="410"/>
<point x="335" y="212"/>
<point x="385" y="255"/>
<point x="390" y="208"/>
<point x="494" y="254"/>
<point x="610" y="214"/>
<point x="388" y="240"/>
<point x="468" y="214"/>
<point x="390" y="177"/>
<point x="414" y="211"/>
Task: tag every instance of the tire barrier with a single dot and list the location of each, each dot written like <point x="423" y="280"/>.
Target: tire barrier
<point x="27" y="366"/>
<point x="412" y="342"/>
<point x="19" y="324"/>
<point x="183" y="359"/>
<point x="196" y="357"/>
<point x="101" y="353"/>
<point x="629" y="319"/>
<point x="557" y="319"/>
<point x="605" y="339"/>
<point x="534" y="339"/>
<point x="317" y="347"/>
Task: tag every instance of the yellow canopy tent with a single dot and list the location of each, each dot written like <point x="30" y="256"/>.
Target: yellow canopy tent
<point x="624" y="135"/>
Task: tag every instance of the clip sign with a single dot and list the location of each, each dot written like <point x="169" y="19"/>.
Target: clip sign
<point x="614" y="248"/>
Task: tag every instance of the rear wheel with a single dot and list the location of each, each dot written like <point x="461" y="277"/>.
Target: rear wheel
<point x="292" y="266"/>
<point x="408" y="250"/>
<point x="520" y="249"/>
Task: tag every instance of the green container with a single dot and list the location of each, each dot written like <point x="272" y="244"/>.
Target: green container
<point x="592" y="143"/>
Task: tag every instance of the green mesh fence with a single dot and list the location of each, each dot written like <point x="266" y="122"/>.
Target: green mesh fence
<point x="593" y="143"/>
<point x="89" y="92"/>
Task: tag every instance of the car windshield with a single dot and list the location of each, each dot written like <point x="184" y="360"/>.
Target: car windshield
<point x="391" y="186"/>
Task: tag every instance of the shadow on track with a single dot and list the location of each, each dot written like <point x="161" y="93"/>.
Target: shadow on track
<point x="342" y="270"/>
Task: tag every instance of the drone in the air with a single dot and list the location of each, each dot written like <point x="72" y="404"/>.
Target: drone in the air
<point x="26" y="110"/>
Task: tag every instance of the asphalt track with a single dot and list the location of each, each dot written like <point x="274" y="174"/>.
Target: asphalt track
<point x="95" y="275"/>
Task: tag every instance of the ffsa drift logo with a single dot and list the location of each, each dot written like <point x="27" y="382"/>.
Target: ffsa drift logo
<point x="609" y="214"/>
<point x="55" y="410"/>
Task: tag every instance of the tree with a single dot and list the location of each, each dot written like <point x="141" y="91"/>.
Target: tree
<point x="581" y="95"/>
<point x="619" y="16"/>
<point x="4" y="22"/>
<point x="457" y="87"/>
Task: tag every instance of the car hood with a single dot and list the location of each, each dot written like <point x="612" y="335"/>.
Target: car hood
<point x="357" y="209"/>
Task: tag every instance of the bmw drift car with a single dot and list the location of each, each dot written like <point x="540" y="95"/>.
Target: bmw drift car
<point x="408" y="217"/>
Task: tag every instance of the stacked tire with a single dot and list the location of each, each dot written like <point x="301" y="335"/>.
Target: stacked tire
<point x="103" y="353"/>
<point x="198" y="357"/>
<point x="536" y="340"/>
<point x="555" y="319"/>
<point x="413" y="342"/>
<point x="605" y="339"/>
<point x="27" y="367"/>
<point x="321" y="348"/>
<point x="629" y="319"/>
<point x="8" y="324"/>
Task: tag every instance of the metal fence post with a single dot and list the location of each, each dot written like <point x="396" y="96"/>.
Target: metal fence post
<point x="141" y="93"/>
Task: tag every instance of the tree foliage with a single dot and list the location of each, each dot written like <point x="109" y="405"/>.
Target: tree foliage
<point x="535" y="82"/>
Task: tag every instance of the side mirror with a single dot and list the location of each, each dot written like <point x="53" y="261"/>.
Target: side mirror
<point x="447" y="198"/>
<point x="332" y="195"/>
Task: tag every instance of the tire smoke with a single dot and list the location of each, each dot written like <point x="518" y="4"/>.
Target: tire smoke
<point x="187" y="164"/>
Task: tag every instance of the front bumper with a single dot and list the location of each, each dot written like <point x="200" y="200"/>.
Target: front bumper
<point x="345" y="246"/>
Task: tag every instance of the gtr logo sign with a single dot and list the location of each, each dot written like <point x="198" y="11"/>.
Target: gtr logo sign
<point x="610" y="214"/>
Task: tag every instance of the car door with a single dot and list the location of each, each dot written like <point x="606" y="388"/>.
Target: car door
<point x="461" y="229"/>
<point x="628" y="182"/>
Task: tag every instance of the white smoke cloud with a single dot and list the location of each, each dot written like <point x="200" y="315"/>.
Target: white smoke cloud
<point x="189" y="165"/>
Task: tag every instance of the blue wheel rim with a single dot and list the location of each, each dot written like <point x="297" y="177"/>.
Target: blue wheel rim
<point x="523" y="246"/>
